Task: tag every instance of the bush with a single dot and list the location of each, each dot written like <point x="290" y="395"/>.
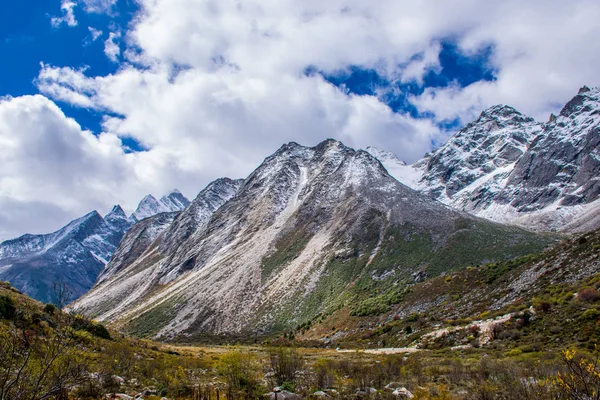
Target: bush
<point x="94" y="328"/>
<point x="590" y="314"/>
<point x="589" y="295"/>
<point x="50" y="309"/>
<point x="8" y="310"/>
<point x="239" y="370"/>
<point x="285" y="363"/>
<point x="369" y="307"/>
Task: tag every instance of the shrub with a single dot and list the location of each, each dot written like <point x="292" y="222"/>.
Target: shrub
<point x="589" y="295"/>
<point x="8" y="310"/>
<point x="94" y="328"/>
<point x="474" y="330"/>
<point x="285" y="363"/>
<point x="369" y="307"/>
<point x="590" y="314"/>
<point x="514" y="352"/>
<point x="541" y="305"/>
<point x="50" y="309"/>
<point x="239" y="371"/>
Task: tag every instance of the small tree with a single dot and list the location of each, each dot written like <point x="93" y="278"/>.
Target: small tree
<point x="240" y="372"/>
<point x="62" y="294"/>
<point x="285" y="363"/>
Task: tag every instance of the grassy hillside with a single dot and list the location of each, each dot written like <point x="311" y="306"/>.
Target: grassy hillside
<point x="544" y="300"/>
<point x="525" y="328"/>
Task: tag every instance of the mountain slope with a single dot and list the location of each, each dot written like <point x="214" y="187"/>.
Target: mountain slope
<point x="305" y="229"/>
<point x="77" y="253"/>
<point x="72" y="256"/>
<point x="508" y="168"/>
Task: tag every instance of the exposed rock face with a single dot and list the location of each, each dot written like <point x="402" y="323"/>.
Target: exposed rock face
<point x="287" y="243"/>
<point x="562" y="165"/>
<point x="508" y="168"/>
<point x="117" y="218"/>
<point x="72" y="256"/>
<point x="489" y="146"/>
<point x="136" y="241"/>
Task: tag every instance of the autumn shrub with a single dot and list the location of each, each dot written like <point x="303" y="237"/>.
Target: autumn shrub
<point x="589" y="295"/>
<point x="285" y="364"/>
<point x="581" y="379"/>
<point x="240" y="372"/>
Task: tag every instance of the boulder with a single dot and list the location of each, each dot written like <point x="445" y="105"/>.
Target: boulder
<point x="282" y="395"/>
<point x="122" y="396"/>
<point x="393" y="385"/>
<point x="403" y="393"/>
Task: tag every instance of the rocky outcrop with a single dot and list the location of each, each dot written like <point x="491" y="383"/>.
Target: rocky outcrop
<point x="508" y="168"/>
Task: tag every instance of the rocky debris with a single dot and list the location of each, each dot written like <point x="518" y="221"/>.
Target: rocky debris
<point x="321" y="394"/>
<point x="403" y="393"/>
<point x="278" y="394"/>
<point x="365" y="392"/>
<point x="393" y="385"/>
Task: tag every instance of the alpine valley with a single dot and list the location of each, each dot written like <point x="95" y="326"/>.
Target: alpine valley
<point x="327" y="231"/>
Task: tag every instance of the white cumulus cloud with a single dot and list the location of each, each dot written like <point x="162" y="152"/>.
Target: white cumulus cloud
<point x="95" y="33"/>
<point x="67" y="7"/>
<point x="111" y="46"/>
<point x="212" y="87"/>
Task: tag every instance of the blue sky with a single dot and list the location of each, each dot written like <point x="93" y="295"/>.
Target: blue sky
<point x="193" y="90"/>
<point x="27" y="38"/>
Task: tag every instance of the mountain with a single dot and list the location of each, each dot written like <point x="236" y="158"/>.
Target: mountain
<point x="73" y="255"/>
<point x="149" y="206"/>
<point x="508" y="168"/>
<point x="76" y="254"/>
<point x="306" y="232"/>
<point x="179" y="226"/>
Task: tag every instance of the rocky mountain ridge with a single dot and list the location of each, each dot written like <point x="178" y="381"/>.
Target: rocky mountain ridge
<point x="508" y="168"/>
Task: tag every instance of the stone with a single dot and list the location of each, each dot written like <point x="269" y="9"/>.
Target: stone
<point x="403" y="393"/>
<point x="282" y="395"/>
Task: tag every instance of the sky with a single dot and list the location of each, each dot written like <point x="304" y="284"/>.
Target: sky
<point x="105" y="101"/>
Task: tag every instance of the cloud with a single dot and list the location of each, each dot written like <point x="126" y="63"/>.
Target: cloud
<point x="52" y="170"/>
<point x="211" y="88"/>
<point x="95" y="33"/>
<point x="99" y="6"/>
<point x="111" y="46"/>
<point x="68" y="17"/>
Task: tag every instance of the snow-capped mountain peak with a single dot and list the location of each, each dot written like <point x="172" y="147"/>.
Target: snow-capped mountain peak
<point x="507" y="167"/>
<point x="175" y="201"/>
<point x="149" y="206"/>
<point x="116" y="212"/>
